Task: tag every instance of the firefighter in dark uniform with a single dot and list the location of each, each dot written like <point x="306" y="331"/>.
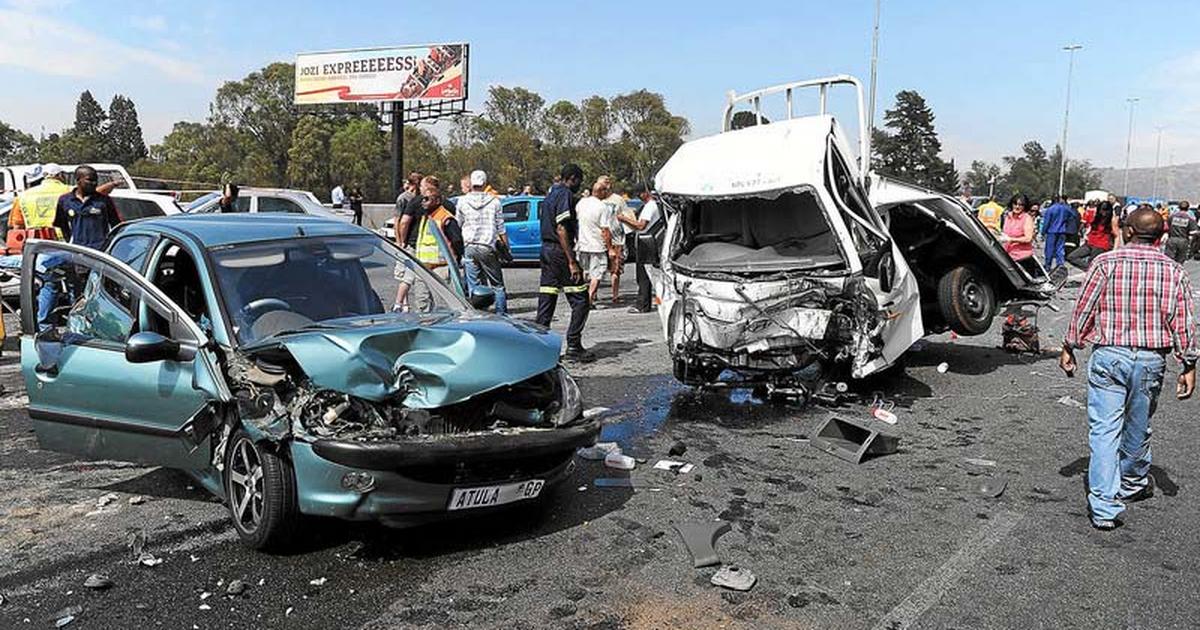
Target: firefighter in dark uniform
<point x="560" y="269"/>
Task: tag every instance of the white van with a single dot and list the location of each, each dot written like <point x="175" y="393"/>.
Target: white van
<point x="12" y="178"/>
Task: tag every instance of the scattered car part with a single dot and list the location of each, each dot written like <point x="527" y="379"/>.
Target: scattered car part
<point x="679" y="468"/>
<point x="97" y="582"/>
<point x="701" y="539"/>
<point x="137" y="500"/>
<point x="943" y="367"/>
<point x="677" y="449"/>
<point x="883" y="415"/>
<point x="851" y="441"/>
<point x="236" y="587"/>
<point x="1067" y="401"/>
<point x="598" y="451"/>
<point x="613" y="482"/>
<point x="734" y="578"/>
<point x="148" y="559"/>
<point x="992" y="487"/>
<point x="619" y="461"/>
<point x="976" y="461"/>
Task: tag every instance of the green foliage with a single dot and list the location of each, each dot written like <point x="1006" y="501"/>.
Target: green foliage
<point x="16" y="146"/>
<point x="979" y="180"/>
<point x="1035" y="173"/>
<point x="124" y="132"/>
<point x="910" y="152"/>
<point x="422" y="152"/>
<point x="308" y="156"/>
<point x="260" y="106"/>
<point x="358" y="155"/>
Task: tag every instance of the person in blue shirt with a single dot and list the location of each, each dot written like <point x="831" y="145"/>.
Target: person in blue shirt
<point x="1058" y="221"/>
<point x="85" y="217"/>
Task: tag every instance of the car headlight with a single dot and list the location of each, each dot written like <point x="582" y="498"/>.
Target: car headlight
<point x="570" y="407"/>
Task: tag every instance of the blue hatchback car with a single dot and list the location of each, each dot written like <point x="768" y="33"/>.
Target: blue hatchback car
<point x="260" y="354"/>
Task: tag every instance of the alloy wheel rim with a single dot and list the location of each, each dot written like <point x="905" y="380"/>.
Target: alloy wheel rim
<point x="246" y="489"/>
<point x="972" y="295"/>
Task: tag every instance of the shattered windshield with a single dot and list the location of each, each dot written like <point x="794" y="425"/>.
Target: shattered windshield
<point x="276" y="287"/>
<point x="772" y="231"/>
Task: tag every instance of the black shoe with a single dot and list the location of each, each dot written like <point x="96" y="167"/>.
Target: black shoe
<point x="579" y="354"/>
<point x="1143" y="494"/>
<point x="635" y="309"/>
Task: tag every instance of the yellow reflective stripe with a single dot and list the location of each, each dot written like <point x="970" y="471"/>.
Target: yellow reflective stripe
<point x="579" y="289"/>
<point x="561" y="216"/>
<point x="549" y="290"/>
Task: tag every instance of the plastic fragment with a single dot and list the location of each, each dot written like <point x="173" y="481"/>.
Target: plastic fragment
<point x="943" y="367"/>
<point x="613" y="482"/>
<point x="975" y="461"/>
<point x="677" y="449"/>
<point x="205" y="607"/>
<point x="598" y="451"/>
<point x="619" y="461"/>
<point x="1067" y="401"/>
<point x="992" y="487"/>
<point x="205" y="595"/>
<point x="593" y="412"/>
<point x="673" y="466"/>
<point x="66" y="615"/>
<point x="700" y="540"/>
<point x="106" y="499"/>
<point x="147" y="559"/>
<point x="318" y="582"/>
<point x="734" y="578"/>
<point x="137" y="500"/>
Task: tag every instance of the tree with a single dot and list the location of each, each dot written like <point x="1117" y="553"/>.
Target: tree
<point x="86" y="140"/>
<point x="515" y="107"/>
<point x="1081" y="176"/>
<point x="358" y="154"/>
<point x="422" y="153"/>
<point x="1029" y="173"/>
<point x="910" y="151"/>
<point x="308" y="156"/>
<point x="16" y="146"/>
<point x="124" y="132"/>
<point x="744" y="118"/>
<point x="649" y="133"/>
<point x="979" y="179"/>
<point x="89" y="115"/>
<point x="260" y="106"/>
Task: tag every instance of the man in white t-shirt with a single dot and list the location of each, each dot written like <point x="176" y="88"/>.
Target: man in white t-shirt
<point x="617" y="209"/>
<point x="595" y="236"/>
<point x="647" y="218"/>
<point x="338" y="197"/>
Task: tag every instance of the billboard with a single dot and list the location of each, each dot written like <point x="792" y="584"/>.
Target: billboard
<point x="407" y="73"/>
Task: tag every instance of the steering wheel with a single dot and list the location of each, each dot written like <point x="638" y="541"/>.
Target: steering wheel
<point x="260" y="307"/>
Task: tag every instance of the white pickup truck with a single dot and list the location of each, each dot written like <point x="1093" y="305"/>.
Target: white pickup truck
<point x="12" y="177"/>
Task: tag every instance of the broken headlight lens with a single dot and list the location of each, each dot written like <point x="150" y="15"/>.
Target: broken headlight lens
<point x="570" y="404"/>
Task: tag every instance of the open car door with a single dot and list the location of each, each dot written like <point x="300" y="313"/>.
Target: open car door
<point x="113" y="368"/>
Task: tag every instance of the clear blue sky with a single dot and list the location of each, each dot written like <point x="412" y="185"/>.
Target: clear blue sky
<point x="993" y="71"/>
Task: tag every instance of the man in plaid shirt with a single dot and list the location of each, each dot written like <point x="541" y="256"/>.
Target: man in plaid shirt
<point x="1136" y="306"/>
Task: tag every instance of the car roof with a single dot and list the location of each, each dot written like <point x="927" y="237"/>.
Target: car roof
<point x="215" y="230"/>
<point x="762" y="158"/>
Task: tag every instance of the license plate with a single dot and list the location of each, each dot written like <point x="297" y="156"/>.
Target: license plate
<point x="488" y="496"/>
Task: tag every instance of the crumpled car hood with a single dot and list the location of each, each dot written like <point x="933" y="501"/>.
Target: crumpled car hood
<point x="450" y="357"/>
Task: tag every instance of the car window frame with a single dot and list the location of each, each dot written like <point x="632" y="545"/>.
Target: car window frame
<point x="299" y="208"/>
<point x="528" y="203"/>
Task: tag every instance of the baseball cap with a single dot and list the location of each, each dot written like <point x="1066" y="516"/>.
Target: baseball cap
<point x="478" y="178"/>
<point x="51" y="169"/>
<point x="35" y="173"/>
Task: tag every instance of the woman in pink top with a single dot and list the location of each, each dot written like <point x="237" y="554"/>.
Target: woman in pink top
<point x="1018" y="229"/>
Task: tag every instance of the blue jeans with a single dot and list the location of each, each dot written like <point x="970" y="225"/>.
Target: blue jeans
<point x="48" y="295"/>
<point x="1056" y="250"/>
<point x="1123" y="389"/>
<point x="481" y="266"/>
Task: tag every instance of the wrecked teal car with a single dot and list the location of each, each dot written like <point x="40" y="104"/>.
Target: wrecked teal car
<point x="262" y="356"/>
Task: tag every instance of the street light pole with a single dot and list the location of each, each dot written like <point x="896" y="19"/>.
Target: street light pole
<point x="874" y="64"/>
<point x="1132" y="100"/>
<point x="1062" y="170"/>
<point x="1157" y="153"/>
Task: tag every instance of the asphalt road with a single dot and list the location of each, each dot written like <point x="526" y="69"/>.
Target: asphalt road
<point x="900" y="541"/>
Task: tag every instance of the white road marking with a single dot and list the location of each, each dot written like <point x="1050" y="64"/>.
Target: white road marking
<point x="962" y="562"/>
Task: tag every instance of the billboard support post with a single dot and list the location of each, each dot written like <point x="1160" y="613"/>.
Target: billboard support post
<point x="397" y="148"/>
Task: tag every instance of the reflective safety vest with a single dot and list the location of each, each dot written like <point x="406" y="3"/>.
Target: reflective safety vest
<point x="991" y="214"/>
<point x="432" y="226"/>
<point x="38" y="203"/>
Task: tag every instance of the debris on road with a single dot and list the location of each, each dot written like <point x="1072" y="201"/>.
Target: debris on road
<point x="598" y="451"/>
<point x="137" y="500"/>
<point x="613" y="482"/>
<point x="671" y="465"/>
<point x="943" y="367"/>
<point x="619" y="461"/>
<point x="594" y="412"/>
<point x="992" y="487"/>
<point x="1" y="599"/>
<point x="701" y="539"/>
<point x="734" y="578"/>
<point x="97" y="582"/>
<point x="883" y="415"/>
<point x="1067" y="401"/>
<point x="975" y="461"/>
<point x="205" y="607"/>
<point x="148" y="559"/>
<point x="106" y="499"/>
<point x="236" y="587"/>
<point x="66" y="615"/>
<point x="848" y="440"/>
<point x="205" y="595"/>
<point x="318" y="582"/>
<point x="677" y="449"/>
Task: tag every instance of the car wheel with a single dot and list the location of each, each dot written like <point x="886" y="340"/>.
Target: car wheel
<point x="260" y="489"/>
<point x="967" y="300"/>
<point x="694" y="375"/>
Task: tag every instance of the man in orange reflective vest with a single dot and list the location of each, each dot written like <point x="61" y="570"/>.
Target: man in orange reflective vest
<point x="33" y="212"/>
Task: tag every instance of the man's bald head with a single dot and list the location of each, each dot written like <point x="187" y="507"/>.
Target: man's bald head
<point x="1144" y="225"/>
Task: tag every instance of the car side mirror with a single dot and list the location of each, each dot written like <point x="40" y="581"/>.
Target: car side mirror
<point x="144" y="347"/>
<point x="482" y="298"/>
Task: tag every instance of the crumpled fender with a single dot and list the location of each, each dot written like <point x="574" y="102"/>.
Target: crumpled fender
<point x="448" y="359"/>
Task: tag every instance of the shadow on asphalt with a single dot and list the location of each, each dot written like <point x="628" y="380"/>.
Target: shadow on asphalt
<point x="968" y="359"/>
<point x="1162" y="477"/>
<point x="161" y="483"/>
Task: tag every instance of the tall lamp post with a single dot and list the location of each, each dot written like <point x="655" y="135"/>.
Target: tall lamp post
<point x="1132" y="100"/>
<point x="874" y="63"/>
<point x="1157" y="153"/>
<point x="1062" y="170"/>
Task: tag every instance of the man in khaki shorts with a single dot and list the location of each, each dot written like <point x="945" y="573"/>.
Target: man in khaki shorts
<point x="595" y="236"/>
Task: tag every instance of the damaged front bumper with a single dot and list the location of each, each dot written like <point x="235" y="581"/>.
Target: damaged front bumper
<point x="413" y="481"/>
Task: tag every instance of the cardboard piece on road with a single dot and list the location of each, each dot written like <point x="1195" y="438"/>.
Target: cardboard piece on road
<point x="851" y="441"/>
<point x="701" y="539"/>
